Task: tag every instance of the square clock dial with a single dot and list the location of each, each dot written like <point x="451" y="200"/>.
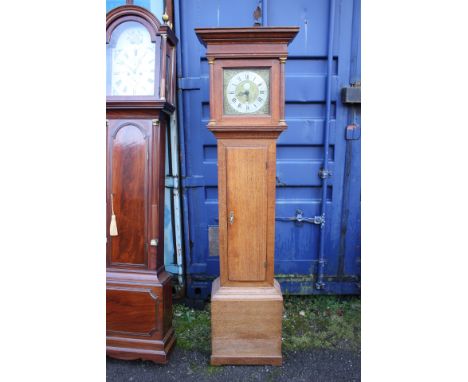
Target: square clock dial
<point x="246" y="91"/>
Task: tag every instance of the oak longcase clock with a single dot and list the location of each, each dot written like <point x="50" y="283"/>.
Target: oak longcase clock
<point x="246" y="116"/>
<point x="140" y="98"/>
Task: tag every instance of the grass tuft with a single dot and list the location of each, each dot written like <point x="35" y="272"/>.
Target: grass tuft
<point x="192" y="328"/>
<point x="308" y="322"/>
<point x="321" y="322"/>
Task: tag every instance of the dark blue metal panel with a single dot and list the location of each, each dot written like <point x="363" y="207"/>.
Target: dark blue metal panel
<point x="350" y="246"/>
<point x="301" y="150"/>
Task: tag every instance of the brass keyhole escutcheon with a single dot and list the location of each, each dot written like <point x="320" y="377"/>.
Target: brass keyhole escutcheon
<point x="231" y="217"/>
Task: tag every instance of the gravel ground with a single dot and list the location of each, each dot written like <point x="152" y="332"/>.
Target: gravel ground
<point x="320" y="365"/>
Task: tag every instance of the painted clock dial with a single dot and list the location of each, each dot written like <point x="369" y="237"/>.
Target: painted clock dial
<point x="246" y="91"/>
<point x="132" y="61"/>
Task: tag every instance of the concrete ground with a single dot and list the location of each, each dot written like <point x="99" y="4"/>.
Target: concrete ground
<point x="321" y="365"/>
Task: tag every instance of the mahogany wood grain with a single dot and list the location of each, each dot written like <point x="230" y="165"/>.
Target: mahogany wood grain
<point x="135" y="13"/>
<point x="157" y="157"/>
<point x="139" y="105"/>
<point x="133" y="312"/>
<point x="138" y="289"/>
<point x="139" y="316"/>
<point x="129" y="147"/>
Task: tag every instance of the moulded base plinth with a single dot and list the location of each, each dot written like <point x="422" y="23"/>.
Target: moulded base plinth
<point x="139" y="316"/>
<point x="150" y="350"/>
<point x="246" y="325"/>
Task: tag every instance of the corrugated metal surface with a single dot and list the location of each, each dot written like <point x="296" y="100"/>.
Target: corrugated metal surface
<point x="300" y="148"/>
<point x="300" y="153"/>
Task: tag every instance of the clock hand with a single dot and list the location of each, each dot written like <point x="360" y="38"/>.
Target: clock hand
<point x="247" y="90"/>
<point x="244" y="93"/>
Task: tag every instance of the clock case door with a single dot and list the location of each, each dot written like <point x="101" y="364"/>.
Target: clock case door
<point x="135" y="167"/>
<point x="246" y="176"/>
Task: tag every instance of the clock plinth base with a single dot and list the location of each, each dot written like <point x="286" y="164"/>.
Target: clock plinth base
<point x="246" y="325"/>
<point x="139" y="316"/>
<point x="148" y="350"/>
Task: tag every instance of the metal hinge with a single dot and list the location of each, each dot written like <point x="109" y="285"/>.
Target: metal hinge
<point x="299" y="218"/>
<point x="324" y="173"/>
<point x="172" y="181"/>
<point x="320" y="220"/>
<point x="193" y="181"/>
<point x="353" y="132"/>
<point x="320" y="285"/>
<point x="351" y="94"/>
<point x="154" y="242"/>
<point x="189" y="83"/>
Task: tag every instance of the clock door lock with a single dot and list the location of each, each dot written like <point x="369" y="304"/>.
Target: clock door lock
<point x="231" y="217"/>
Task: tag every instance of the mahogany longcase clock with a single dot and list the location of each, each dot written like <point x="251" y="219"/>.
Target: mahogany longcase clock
<point x="246" y="116"/>
<point x="140" y="98"/>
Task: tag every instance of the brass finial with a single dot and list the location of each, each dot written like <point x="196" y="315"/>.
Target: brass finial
<point x="165" y="17"/>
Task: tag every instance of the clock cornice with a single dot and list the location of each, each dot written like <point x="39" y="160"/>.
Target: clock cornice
<point x="253" y="42"/>
<point x="254" y="35"/>
<point x="135" y="13"/>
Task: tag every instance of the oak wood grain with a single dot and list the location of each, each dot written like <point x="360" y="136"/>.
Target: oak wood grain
<point x="247" y="212"/>
<point x="246" y="187"/>
<point x="246" y="302"/>
<point x="246" y="324"/>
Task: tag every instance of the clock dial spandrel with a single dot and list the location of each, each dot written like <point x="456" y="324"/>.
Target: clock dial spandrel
<point x="246" y="91"/>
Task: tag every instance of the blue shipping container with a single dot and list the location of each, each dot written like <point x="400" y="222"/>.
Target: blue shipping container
<point x="317" y="245"/>
<point x="325" y="52"/>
